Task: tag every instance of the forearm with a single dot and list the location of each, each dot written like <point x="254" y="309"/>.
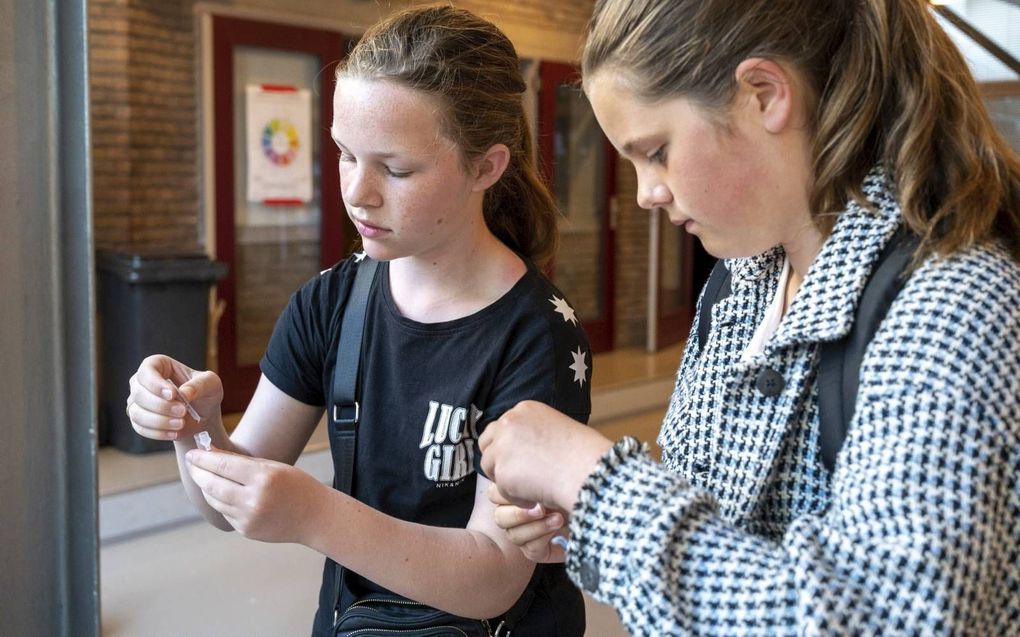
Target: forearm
<point x="214" y="426"/>
<point x="461" y="571"/>
<point x="679" y="566"/>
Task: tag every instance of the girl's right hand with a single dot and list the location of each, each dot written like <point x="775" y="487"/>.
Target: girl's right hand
<point x="530" y="529"/>
<point x="155" y="408"/>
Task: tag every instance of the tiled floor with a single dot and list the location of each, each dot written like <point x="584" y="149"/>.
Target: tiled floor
<point x="195" y="581"/>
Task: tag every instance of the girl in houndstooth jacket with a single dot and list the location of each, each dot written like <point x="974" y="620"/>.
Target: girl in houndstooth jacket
<point x="793" y="138"/>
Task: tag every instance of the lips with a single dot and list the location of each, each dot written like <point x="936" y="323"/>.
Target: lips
<point x="678" y="220"/>
<point x="367" y="230"/>
<point x="683" y="222"/>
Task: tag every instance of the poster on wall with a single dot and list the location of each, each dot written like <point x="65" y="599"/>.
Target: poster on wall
<point x="279" y="144"/>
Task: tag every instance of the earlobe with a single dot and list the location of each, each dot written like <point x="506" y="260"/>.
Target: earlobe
<point x="491" y="166"/>
<point x="772" y="91"/>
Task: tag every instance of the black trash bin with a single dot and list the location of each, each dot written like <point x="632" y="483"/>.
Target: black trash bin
<point x="149" y="303"/>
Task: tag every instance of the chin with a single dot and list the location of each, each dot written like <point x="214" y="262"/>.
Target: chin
<point x="718" y="250"/>
<point x="377" y="252"/>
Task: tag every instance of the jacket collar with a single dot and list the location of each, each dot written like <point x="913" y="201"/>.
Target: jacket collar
<point x="826" y="303"/>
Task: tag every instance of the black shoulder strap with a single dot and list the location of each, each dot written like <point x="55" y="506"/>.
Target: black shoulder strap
<point x="839" y="364"/>
<point x="345" y="414"/>
<point x="717" y="288"/>
<point x="840" y="361"/>
<point x="344" y="410"/>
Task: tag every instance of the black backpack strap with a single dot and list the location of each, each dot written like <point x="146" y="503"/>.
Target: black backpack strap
<point x="344" y="410"/>
<point x="345" y="414"/>
<point x="717" y="288"/>
<point x="839" y="363"/>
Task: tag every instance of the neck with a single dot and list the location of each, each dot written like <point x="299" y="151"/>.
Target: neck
<point x="801" y="250"/>
<point x="458" y="283"/>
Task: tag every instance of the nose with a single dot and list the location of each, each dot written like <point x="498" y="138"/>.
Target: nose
<point x="652" y="194"/>
<point x="358" y="188"/>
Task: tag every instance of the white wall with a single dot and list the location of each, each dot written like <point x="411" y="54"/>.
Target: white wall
<point x="1000" y="22"/>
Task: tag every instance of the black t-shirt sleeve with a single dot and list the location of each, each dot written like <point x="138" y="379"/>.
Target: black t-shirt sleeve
<point x="549" y="361"/>
<point x="299" y="347"/>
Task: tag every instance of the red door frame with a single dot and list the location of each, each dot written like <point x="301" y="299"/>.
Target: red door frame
<point x="553" y="75"/>
<point x="674" y="326"/>
<point x="239" y="382"/>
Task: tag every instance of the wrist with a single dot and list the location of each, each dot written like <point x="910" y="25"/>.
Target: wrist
<point x="584" y="463"/>
<point x="616" y="454"/>
<point x="320" y="519"/>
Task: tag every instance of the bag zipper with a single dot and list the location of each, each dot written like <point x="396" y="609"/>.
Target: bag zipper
<point x="407" y="602"/>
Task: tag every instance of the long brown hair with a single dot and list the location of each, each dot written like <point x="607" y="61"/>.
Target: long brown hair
<point x="473" y="69"/>
<point x="890" y="88"/>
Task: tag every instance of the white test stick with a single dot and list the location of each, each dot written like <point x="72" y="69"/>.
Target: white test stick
<point x="560" y="541"/>
<point x="204" y="440"/>
<point x="187" y="405"/>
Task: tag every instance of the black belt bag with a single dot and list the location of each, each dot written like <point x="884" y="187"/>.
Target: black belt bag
<point x="379" y="615"/>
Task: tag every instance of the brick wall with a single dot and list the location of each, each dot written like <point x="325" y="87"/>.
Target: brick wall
<point x="144" y="124"/>
<point x="631" y="262"/>
<point x="578" y="253"/>
<point x="268" y="272"/>
<point x="144" y="61"/>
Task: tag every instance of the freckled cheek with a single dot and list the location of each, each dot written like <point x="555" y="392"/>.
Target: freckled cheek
<point x="728" y="190"/>
<point x="698" y="188"/>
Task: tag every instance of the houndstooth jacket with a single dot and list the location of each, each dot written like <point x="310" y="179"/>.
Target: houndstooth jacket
<point x="742" y="531"/>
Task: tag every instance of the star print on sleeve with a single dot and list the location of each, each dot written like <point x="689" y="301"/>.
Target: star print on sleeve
<point x="564" y="308"/>
<point x="579" y="366"/>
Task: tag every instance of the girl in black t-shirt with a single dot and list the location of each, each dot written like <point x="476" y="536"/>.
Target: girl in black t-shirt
<point x="438" y="178"/>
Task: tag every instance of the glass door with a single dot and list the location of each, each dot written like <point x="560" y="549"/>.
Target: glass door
<point x="278" y="208"/>
<point x="578" y="162"/>
<point x="676" y="295"/>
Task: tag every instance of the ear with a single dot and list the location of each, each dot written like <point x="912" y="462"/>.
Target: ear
<point x="490" y="167"/>
<point x="771" y="90"/>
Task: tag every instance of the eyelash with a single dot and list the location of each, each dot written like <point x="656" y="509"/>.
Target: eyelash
<point x="659" y="156"/>
<point x="397" y="174"/>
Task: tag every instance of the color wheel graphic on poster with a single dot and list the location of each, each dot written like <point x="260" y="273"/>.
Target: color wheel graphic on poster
<point x="278" y="144"/>
<point x="280" y="141"/>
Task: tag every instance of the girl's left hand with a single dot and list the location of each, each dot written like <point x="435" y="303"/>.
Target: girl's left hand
<point x="536" y="454"/>
<point x="262" y="499"/>
<point x="532" y="530"/>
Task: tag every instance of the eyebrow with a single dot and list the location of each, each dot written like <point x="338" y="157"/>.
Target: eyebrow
<point x="332" y="133"/>
<point x="629" y="147"/>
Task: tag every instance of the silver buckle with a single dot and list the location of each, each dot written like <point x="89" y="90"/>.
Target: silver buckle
<point x="357" y="412"/>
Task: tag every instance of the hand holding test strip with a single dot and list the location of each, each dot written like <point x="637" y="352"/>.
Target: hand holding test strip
<point x="187" y="405"/>
<point x="202" y="438"/>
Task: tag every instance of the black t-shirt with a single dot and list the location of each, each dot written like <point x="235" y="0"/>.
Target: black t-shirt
<point x="428" y="390"/>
